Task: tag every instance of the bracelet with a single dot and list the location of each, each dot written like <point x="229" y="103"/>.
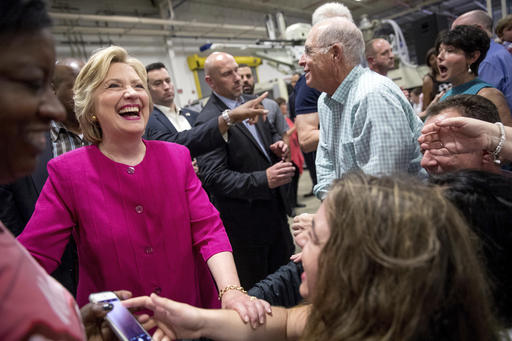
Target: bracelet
<point x="227" y="119"/>
<point x="231" y="287"/>
<point x="499" y="147"/>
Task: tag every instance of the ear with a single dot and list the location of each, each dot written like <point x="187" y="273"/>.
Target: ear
<point x="474" y="56"/>
<point x="337" y="52"/>
<point x="208" y="80"/>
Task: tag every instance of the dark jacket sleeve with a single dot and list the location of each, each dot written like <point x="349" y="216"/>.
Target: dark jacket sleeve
<point x="10" y="214"/>
<point x="218" y="178"/>
<point x="282" y="287"/>
<point x="199" y="140"/>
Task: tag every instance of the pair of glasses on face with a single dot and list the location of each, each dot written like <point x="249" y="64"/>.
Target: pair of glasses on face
<point x="310" y="51"/>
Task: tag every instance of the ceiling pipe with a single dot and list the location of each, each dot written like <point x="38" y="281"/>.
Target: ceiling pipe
<point x="154" y="33"/>
<point x="151" y="21"/>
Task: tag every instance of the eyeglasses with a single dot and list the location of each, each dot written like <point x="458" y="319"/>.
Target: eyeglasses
<point x="311" y="51"/>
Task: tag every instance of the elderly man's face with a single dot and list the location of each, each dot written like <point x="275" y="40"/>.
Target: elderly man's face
<point x="315" y="62"/>
<point x="439" y="164"/>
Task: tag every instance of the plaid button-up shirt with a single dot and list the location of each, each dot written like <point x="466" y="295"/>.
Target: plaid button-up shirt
<point x="366" y="125"/>
<point x="64" y="140"/>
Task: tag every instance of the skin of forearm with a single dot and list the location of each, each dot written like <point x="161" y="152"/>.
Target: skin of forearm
<point x="226" y="325"/>
<point x="309" y="141"/>
<point x="223" y="269"/>
<point x="307" y="130"/>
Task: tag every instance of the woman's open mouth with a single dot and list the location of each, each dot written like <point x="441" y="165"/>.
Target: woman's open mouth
<point x="130" y="112"/>
<point x="442" y="69"/>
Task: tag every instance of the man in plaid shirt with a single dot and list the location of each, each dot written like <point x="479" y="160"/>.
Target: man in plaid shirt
<point x="366" y="123"/>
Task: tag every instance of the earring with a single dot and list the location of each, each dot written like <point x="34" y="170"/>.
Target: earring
<point x="469" y="68"/>
<point x="94" y="118"/>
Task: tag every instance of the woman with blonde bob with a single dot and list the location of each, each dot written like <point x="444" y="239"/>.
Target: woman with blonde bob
<point x="385" y="259"/>
<point x="136" y="209"/>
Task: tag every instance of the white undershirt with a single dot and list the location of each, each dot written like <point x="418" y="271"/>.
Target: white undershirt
<point x="178" y="121"/>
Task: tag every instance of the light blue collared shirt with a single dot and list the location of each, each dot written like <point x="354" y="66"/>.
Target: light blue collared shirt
<point x="366" y="125"/>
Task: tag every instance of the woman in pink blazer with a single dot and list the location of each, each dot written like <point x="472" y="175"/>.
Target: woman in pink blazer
<point x="136" y="209"/>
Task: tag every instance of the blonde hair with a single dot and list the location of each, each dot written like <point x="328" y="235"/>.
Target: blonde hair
<point x="90" y="78"/>
<point x="400" y="264"/>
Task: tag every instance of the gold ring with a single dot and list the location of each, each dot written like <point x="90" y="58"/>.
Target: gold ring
<point x="252" y="298"/>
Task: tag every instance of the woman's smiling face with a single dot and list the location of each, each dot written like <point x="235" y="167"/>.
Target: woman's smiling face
<point x="121" y="103"/>
<point x="317" y="236"/>
<point x="27" y="99"/>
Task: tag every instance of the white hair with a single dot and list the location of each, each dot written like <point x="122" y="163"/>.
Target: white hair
<point x="331" y="10"/>
<point x="341" y="30"/>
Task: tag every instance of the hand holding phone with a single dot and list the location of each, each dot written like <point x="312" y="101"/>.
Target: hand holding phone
<point x="122" y="322"/>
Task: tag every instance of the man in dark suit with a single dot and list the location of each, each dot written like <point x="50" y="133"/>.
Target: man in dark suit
<point x="166" y="115"/>
<point x="169" y="123"/>
<point x="245" y="178"/>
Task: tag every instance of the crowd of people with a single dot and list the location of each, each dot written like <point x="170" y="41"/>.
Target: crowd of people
<point x="108" y="185"/>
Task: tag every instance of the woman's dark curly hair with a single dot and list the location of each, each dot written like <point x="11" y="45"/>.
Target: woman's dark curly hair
<point x="469" y="39"/>
<point x="23" y="16"/>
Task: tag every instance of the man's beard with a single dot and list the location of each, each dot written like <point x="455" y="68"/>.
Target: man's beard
<point x="247" y="89"/>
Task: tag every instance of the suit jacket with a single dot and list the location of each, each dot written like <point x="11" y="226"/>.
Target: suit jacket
<point x="146" y="228"/>
<point x="235" y="176"/>
<point x="198" y="140"/>
<point x="17" y="203"/>
<point x="18" y="199"/>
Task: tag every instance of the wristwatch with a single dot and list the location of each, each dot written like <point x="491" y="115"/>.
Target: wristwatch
<point x="227" y="119"/>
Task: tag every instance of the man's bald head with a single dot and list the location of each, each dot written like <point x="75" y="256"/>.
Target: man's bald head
<point x="66" y="71"/>
<point x="221" y="74"/>
<point x="215" y="59"/>
<point x="475" y="18"/>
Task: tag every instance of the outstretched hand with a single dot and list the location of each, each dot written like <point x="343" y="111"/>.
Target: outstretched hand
<point x="93" y="318"/>
<point x="251" y="110"/>
<point x="279" y="174"/>
<point x="173" y="319"/>
<point x="457" y="135"/>
<point x="280" y="149"/>
<point x="250" y="309"/>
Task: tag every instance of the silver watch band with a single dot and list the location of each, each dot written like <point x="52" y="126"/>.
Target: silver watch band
<point x="227" y="119"/>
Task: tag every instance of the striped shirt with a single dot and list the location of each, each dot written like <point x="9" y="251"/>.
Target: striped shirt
<point x="366" y="125"/>
<point x="64" y="140"/>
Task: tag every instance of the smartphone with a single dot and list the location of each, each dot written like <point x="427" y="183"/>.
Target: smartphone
<point x="122" y="322"/>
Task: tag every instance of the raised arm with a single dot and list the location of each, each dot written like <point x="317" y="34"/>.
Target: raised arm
<point x="199" y="140"/>
<point x="178" y="320"/>
<point x="464" y="135"/>
<point x="207" y="136"/>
